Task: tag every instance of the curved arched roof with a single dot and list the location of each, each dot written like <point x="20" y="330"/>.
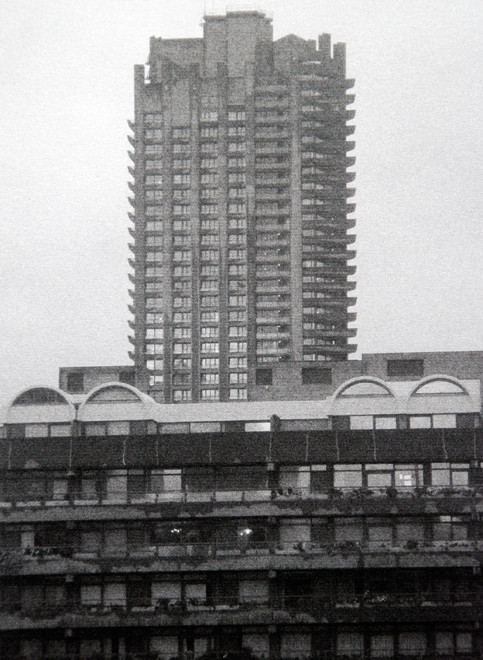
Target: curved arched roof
<point x="379" y="387"/>
<point x="458" y="387"/>
<point x="36" y="404"/>
<point x="116" y="400"/>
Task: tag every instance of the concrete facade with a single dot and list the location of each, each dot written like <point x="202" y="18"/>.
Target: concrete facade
<point x="240" y="213"/>
<point x="343" y="526"/>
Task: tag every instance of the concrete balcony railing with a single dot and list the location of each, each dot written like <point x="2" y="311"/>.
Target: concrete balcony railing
<point x="354" y="496"/>
<point x="393" y="604"/>
<point x="331" y="554"/>
<point x="242" y="655"/>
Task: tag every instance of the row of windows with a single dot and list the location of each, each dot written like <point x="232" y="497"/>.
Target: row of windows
<point x="258" y="534"/>
<point x="289" y="645"/>
<point x="205" y="363"/>
<point x="285" y="480"/>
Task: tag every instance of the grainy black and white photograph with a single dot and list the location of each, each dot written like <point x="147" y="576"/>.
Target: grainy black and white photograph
<point x="241" y="329"/>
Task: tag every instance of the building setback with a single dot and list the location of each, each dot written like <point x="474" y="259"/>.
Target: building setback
<point x="340" y="526"/>
<point x="240" y="211"/>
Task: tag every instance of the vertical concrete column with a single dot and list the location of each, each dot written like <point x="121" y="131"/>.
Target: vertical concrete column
<point x="222" y="84"/>
<point x="167" y="265"/>
<point x="251" y="226"/>
<point x="296" y="225"/>
<point x="194" y="95"/>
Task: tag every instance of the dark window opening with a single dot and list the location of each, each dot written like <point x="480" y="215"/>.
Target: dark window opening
<point x="341" y="423"/>
<point x="405" y="368"/>
<point x="75" y="382"/>
<point x="264" y="377"/>
<point x="127" y="377"/>
<point x="313" y="376"/>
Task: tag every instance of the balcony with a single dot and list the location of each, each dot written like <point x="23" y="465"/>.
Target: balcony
<point x="268" y="555"/>
<point x="308" y="608"/>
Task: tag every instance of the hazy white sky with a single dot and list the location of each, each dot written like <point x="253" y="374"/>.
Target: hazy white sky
<point x="66" y="76"/>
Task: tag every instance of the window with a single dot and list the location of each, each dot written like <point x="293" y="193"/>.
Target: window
<point x="209" y="331"/>
<point x="412" y="643"/>
<point x="181" y="178"/>
<point x="209" y="223"/>
<point x="238" y="363"/>
<point x="154" y="179"/>
<point x="236" y="115"/>
<point x="181" y="379"/>
<point x="209" y="255"/>
<point x="153" y="149"/>
<point x="180" y="163"/>
<point x="237" y="347"/>
<point x="182" y="363"/>
<point x="210" y="316"/>
<point x="209" y="239"/>
<point x="182" y="271"/>
<point x="237" y="162"/>
<point x="405" y="368"/>
<point x="237" y="301"/>
<point x="237" y="331"/>
<point x="239" y="394"/>
<point x="209" y="209"/>
<point x="236" y="208"/>
<point x="209" y="301"/>
<point x="210" y="363"/>
<point x="181" y="209"/>
<point x="153" y="211"/>
<point x="350" y="644"/>
<point x="449" y="474"/>
<point x="181" y="133"/>
<point x="154" y="240"/>
<point x="237" y="315"/>
<point x="181" y="301"/>
<point x="238" y="378"/>
<point x="348" y="476"/>
<point x="182" y="194"/>
<point x="181" y="395"/>
<point x="210" y="379"/>
<point x="156" y="333"/>
<point x="182" y="317"/>
<point x="154" y="164"/>
<point x="209" y="347"/>
<point x="154" y="365"/>
<point x="264" y="377"/>
<point x="210" y="394"/>
<point x="237" y="223"/>
<point x="153" y="118"/>
<point x="75" y="382"/>
<point x="208" y="116"/>
<point x="154" y="225"/>
<point x="180" y="148"/>
<point x="450" y="528"/>
<point x="312" y="376"/>
<point x="208" y="163"/>
<point x="182" y="255"/>
<point x="420" y="422"/>
<point x="237" y="269"/>
<point x="182" y="348"/>
<point x="182" y="333"/>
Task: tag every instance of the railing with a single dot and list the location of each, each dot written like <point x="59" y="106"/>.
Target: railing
<point x="354" y="495"/>
<point x="246" y="655"/>
<point x="222" y="549"/>
<point x="288" y="603"/>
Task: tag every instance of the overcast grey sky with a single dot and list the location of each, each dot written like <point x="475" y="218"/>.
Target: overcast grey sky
<point x="67" y="89"/>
